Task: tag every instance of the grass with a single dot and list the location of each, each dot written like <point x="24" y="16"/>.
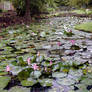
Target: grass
<point x="79" y="11"/>
<point x="87" y="27"/>
<point x="82" y="11"/>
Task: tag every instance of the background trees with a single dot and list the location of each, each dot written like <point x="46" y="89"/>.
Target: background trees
<point x="35" y="6"/>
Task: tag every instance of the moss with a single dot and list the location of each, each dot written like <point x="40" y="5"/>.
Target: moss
<point x="87" y="27"/>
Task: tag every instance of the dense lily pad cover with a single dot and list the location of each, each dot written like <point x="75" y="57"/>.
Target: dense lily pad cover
<point x="64" y="62"/>
<point x="38" y="69"/>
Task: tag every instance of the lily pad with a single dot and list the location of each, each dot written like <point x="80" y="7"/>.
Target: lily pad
<point x="45" y="82"/>
<point x="4" y="80"/>
<point x="36" y="74"/>
<point x="65" y="81"/>
<point x="59" y="74"/>
<point x="19" y="89"/>
<point x="29" y="82"/>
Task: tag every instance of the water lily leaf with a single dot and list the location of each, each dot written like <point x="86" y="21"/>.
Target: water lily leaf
<point x="24" y="74"/>
<point x="14" y="63"/>
<point x="3" y="73"/>
<point x="36" y="74"/>
<point x="34" y="59"/>
<point x="82" y="88"/>
<point x="87" y="81"/>
<point x="46" y="63"/>
<point x="4" y="81"/>
<point x="56" y="67"/>
<point x="43" y="34"/>
<point x="19" y="89"/>
<point x="45" y="82"/>
<point x="75" y="47"/>
<point x="68" y="33"/>
<point x="65" y="81"/>
<point x="21" y="62"/>
<point x="29" y="82"/>
<point x="59" y="74"/>
<point x="40" y="58"/>
<point x="1" y="90"/>
<point x="16" y="69"/>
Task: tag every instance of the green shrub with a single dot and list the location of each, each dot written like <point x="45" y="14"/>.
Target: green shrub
<point x="1" y="10"/>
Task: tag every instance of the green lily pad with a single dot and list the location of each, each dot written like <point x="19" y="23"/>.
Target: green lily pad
<point x="4" y="80"/>
<point x="36" y="74"/>
<point x="68" y="33"/>
<point x="1" y="90"/>
<point x="59" y="74"/>
<point x="45" y="82"/>
<point x="75" y="47"/>
<point x="19" y="89"/>
<point x="46" y="63"/>
<point x="3" y="73"/>
<point x="82" y="88"/>
<point x="65" y="81"/>
<point x="24" y="74"/>
<point x="21" y="62"/>
<point x="29" y="82"/>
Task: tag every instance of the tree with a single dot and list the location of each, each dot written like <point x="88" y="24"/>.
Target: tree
<point x="27" y="12"/>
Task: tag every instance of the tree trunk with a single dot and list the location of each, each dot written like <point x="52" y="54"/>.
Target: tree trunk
<point x="27" y="13"/>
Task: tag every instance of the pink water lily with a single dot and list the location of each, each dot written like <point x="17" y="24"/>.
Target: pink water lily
<point x="38" y="53"/>
<point x="45" y="69"/>
<point x="29" y="61"/>
<point x="50" y="62"/>
<point x="8" y="68"/>
<point x="35" y="67"/>
<point x="51" y="23"/>
<point x="70" y="31"/>
<point x="33" y="34"/>
<point x="59" y="43"/>
<point x="72" y="41"/>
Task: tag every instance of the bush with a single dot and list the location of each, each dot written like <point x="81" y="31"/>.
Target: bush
<point x="1" y="10"/>
<point x="36" y="6"/>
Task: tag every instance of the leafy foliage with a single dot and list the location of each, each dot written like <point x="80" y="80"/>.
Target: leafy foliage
<point x="36" y="6"/>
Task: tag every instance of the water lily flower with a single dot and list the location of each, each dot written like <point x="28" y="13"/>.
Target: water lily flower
<point x="72" y="41"/>
<point x="8" y="68"/>
<point x="65" y="28"/>
<point x="59" y="43"/>
<point x="70" y="31"/>
<point x="28" y="61"/>
<point x="51" y="23"/>
<point x="33" y="34"/>
<point x="27" y="26"/>
<point x="63" y="59"/>
<point x="45" y="69"/>
<point x="38" y="53"/>
<point x="50" y="62"/>
<point x="35" y="67"/>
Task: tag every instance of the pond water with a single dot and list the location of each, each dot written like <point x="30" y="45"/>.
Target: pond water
<point x="44" y="38"/>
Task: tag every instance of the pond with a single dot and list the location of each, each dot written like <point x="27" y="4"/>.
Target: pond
<point x="53" y="40"/>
